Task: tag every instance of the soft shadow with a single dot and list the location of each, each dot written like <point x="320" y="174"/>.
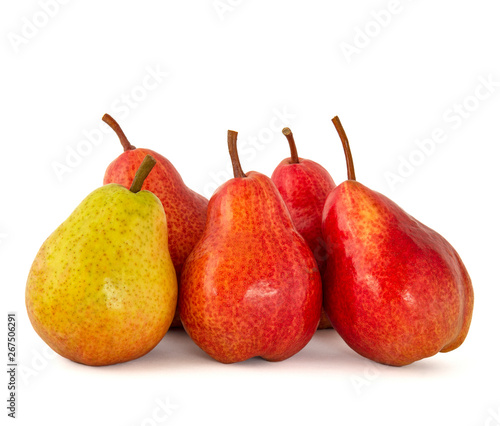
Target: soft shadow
<point x="175" y="351"/>
<point x="325" y="353"/>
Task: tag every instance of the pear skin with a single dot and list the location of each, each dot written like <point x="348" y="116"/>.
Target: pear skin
<point x="102" y="288"/>
<point x="251" y="286"/>
<point x="395" y="290"/>
<point x="304" y="186"/>
<point x="185" y="209"/>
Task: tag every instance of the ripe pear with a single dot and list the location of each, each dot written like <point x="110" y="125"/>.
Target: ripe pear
<point x="102" y="288"/>
<point x="186" y="210"/>
<point x="395" y="290"/>
<point x="251" y="286"/>
<point x="304" y="186"/>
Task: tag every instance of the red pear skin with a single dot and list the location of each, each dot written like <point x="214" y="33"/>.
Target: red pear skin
<point x="304" y="186"/>
<point x="250" y="287"/>
<point x="395" y="290"/>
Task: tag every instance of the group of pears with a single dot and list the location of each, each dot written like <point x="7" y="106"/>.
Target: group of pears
<point x="250" y="272"/>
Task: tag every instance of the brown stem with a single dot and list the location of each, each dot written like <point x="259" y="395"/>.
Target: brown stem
<point x="347" y="150"/>
<point x="293" y="149"/>
<point x="232" y="137"/>
<point x="142" y="173"/>
<point x="111" y="122"/>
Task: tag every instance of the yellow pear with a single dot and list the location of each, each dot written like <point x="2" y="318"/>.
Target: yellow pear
<point x="102" y="288"/>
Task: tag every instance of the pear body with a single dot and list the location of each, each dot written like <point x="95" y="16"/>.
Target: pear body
<point x="251" y="285"/>
<point x="102" y="288"/>
<point x="395" y="290"/>
<point x="186" y="210"/>
<point x="304" y="187"/>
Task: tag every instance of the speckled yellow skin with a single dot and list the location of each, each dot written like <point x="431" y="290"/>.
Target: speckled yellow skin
<point x="102" y="289"/>
<point x="186" y="210"/>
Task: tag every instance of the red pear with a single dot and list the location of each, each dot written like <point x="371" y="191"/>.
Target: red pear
<point x="304" y="186"/>
<point x="395" y="290"/>
<point x="251" y="286"/>
<point x="185" y="209"/>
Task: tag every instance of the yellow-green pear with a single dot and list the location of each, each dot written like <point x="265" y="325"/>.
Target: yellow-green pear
<point x="102" y="288"/>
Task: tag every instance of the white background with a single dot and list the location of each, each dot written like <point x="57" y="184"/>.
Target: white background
<point x="241" y="68"/>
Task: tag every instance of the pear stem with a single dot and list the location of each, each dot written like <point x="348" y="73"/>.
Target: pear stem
<point x="111" y="122"/>
<point x="347" y="150"/>
<point x="232" y="137"/>
<point x="142" y="173"/>
<point x="293" y="149"/>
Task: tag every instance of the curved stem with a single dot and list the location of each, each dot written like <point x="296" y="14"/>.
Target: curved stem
<point x="232" y="137"/>
<point x="142" y="173"/>
<point x="293" y="149"/>
<point x="111" y="122"/>
<point x="347" y="150"/>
